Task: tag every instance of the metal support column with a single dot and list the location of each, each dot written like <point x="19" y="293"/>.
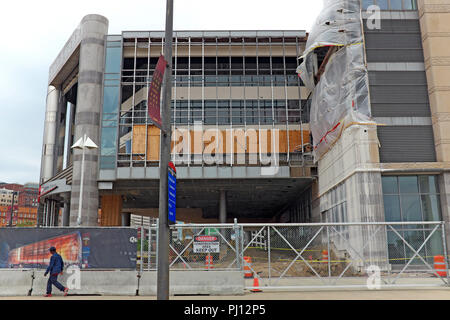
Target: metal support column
<point x="223" y="207"/>
<point x="166" y="134"/>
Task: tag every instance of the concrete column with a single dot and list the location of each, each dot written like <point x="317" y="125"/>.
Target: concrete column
<point x="223" y="207"/>
<point x="48" y="148"/>
<point x="434" y="16"/>
<point x="69" y="124"/>
<point x="66" y="214"/>
<point x="126" y="219"/>
<point x="94" y="28"/>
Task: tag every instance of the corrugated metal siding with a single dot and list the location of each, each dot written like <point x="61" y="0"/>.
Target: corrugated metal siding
<point x="399" y="94"/>
<point x="406" y="144"/>
<point x="396" y="41"/>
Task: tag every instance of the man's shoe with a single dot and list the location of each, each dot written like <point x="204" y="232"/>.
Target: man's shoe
<point x="66" y="291"/>
<point x="48" y="295"/>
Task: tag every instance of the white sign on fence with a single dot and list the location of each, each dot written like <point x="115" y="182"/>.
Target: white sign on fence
<point x="206" y="244"/>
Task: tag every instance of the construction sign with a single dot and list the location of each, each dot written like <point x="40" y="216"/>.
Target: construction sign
<point x="206" y="244"/>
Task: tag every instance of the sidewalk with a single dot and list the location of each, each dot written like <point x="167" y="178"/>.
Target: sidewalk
<point x="397" y="294"/>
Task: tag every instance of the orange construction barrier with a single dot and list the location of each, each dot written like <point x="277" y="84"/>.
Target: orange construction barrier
<point x="209" y="262"/>
<point x="439" y="266"/>
<point x="256" y="285"/>
<point x="324" y="256"/>
<point x="247" y="271"/>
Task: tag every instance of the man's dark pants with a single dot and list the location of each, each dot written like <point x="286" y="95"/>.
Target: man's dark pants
<point x="53" y="280"/>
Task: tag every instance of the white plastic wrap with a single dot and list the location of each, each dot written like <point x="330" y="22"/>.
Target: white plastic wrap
<point x="341" y="97"/>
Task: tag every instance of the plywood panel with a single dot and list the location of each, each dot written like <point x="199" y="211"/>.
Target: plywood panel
<point x="295" y="139"/>
<point x="111" y="211"/>
<point x="283" y="141"/>
<point x="221" y="141"/>
<point x="138" y="145"/>
<point x="153" y="143"/>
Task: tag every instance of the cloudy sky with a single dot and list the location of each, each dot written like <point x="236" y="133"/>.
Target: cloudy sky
<point x="35" y="31"/>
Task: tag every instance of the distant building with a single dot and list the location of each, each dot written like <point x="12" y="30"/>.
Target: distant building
<point x="25" y="204"/>
<point x="27" y="194"/>
<point x="6" y="197"/>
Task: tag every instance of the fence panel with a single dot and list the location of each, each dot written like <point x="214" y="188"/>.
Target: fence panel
<point x="197" y="247"/>
<point x="310" y="255"/>
<point x="345" y="254"/>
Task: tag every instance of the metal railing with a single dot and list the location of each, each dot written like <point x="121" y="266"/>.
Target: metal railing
<point x="309" y="255"/>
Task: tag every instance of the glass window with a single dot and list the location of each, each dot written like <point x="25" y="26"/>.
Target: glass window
<point x="411" y="210"/>
<point x="428" y="184"/>
<point x="366" y="3"/>
<point x="396" y="4"/>
<point x="383" y="4"/>
<point x="431" y="208"/>
<point x="113" y="59"/>
<point x="109" y="141"/>
<point x="390" y="185"/>
<point x="415" y="199"/>
<point x="111" y="99"/>
<point x="107" y="162"/>
<point x="392" y="208"/>
<point x="409" y="4"/>
<point x="408" y="184"/>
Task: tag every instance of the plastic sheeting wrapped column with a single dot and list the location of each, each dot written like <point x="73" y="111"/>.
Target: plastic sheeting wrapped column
<point x="340" y="94"/>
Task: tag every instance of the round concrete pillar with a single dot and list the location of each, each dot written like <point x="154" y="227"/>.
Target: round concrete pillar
<point x="48" y="148"/>
<point x="94" y="29"/>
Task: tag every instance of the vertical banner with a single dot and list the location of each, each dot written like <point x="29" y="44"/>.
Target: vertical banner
<point x="154" y="92"/>
<point x="172" y="185"/>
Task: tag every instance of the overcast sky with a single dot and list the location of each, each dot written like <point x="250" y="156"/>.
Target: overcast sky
<point x="33" y="33"/>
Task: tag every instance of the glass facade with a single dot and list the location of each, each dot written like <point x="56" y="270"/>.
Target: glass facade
<point x="391" y="4"/>
<point x="111" y="97"/>
<point x="409" y="199"/>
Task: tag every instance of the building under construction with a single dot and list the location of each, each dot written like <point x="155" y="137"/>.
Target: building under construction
<point x="240" y="122"/>
<point x="245" y="105"/>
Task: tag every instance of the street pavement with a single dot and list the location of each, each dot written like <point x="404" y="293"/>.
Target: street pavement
<point x="394" y="294"/>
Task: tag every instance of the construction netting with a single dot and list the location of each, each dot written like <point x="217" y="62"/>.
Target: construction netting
<point x="333" y="67"/>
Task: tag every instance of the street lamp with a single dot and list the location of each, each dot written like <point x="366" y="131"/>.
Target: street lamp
<point x="82" y="144"/>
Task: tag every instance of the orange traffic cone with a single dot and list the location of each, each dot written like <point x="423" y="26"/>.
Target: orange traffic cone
<point x="256" y="285"/>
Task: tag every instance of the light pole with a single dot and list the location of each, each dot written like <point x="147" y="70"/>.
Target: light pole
<point x="166" y="136"/>
<point x="83" y="144"/>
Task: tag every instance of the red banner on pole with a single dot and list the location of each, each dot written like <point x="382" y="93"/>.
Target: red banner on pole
<point x="154" y="92"/>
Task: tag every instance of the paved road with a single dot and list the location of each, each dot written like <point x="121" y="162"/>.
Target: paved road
<point x="402" y="294"/>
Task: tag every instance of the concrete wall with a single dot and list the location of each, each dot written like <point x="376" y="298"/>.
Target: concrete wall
<point x="352" y="165"/>
<point x="15" y="282"/>
<point x="19" y="283"/>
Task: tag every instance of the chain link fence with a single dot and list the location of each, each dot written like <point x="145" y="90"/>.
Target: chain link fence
<point x="302" y="255"/>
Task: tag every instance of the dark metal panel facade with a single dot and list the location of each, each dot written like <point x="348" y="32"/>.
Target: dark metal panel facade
<point x="406" y="144"/>
<point x="396" y="41"/>
<point x="399" y="94"/>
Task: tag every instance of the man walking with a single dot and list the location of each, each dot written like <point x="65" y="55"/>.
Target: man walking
<point x="55" y="267"/>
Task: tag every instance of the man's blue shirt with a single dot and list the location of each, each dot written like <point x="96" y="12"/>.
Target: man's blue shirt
<point x="56" y="264"/>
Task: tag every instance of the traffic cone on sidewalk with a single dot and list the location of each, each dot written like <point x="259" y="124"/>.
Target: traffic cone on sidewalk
<point x="256" y="285"/>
